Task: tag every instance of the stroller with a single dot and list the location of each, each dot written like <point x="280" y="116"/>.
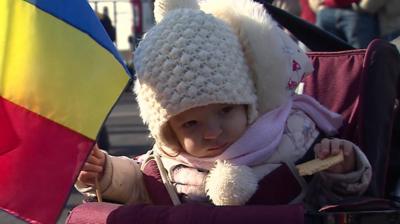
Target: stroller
<point x="361" y="84"/>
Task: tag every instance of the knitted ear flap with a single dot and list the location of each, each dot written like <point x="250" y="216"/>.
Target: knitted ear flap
<point x="162" y="7"/>
<point x="269" y="51"/>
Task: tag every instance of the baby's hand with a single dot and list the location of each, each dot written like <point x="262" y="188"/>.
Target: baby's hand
<point x="93" y="168"/>
<point x="329" y="147"/>
<point x="190" y="181"/>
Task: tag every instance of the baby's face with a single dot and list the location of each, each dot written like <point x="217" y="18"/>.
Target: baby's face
<point x="209" y="130"/>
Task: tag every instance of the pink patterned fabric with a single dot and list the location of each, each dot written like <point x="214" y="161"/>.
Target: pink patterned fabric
<point x="263" y="137"/>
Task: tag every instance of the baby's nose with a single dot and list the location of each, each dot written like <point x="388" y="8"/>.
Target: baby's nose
<point x="212" y="131"/>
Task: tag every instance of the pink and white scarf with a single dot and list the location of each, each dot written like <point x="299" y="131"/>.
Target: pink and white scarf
<point x="262" y="138"/>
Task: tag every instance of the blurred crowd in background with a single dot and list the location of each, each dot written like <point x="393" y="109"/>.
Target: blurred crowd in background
<point x="357" y="22"/>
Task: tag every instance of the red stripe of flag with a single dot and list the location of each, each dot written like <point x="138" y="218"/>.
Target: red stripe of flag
<point x="8" y="138"/>
<point x="44" y="146"/>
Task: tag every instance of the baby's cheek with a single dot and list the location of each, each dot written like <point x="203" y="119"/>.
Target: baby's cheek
<point x="190" y="145"/>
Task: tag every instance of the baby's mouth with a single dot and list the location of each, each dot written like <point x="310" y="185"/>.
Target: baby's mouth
<point x="223" y="146"/>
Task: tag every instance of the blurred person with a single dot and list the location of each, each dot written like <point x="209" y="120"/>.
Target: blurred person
<point x="290" y="6"/>
<point x="107" y="24"/>
<point x="347" y="22"/>
<point x="306" y="12"/>
<point x="388" y="12"/>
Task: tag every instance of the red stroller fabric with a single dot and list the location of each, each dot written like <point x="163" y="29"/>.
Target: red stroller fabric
<point x="195" y="213"/>
<point x="91" y="212"/>
<point x="362" y="85"/>
<point x="101" y="212"/>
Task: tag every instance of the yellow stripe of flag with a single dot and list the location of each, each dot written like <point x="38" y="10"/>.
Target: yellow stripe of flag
<point x="41" y="47"/>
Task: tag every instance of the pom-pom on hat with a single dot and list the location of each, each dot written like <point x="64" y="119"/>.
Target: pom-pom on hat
<point x="189" y="59"/>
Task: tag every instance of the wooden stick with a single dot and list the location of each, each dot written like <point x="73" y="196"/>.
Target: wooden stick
<point x="317" y="165"/>
<point x="98" y="191"/>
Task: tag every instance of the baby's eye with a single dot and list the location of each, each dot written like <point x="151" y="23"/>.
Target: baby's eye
<point x="189" y="124"/>
<point x="226" y="110"/>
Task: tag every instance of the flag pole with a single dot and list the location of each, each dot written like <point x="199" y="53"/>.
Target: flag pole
<point x="98" y="192"/>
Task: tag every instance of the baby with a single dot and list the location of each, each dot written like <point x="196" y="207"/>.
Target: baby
<point x="215" y="85"/>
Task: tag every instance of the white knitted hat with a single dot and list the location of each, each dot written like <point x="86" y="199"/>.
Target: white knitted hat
<point x="189" y="59"/>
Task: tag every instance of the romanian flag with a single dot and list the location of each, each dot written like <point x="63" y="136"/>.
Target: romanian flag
<point x="60" y="75"/>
